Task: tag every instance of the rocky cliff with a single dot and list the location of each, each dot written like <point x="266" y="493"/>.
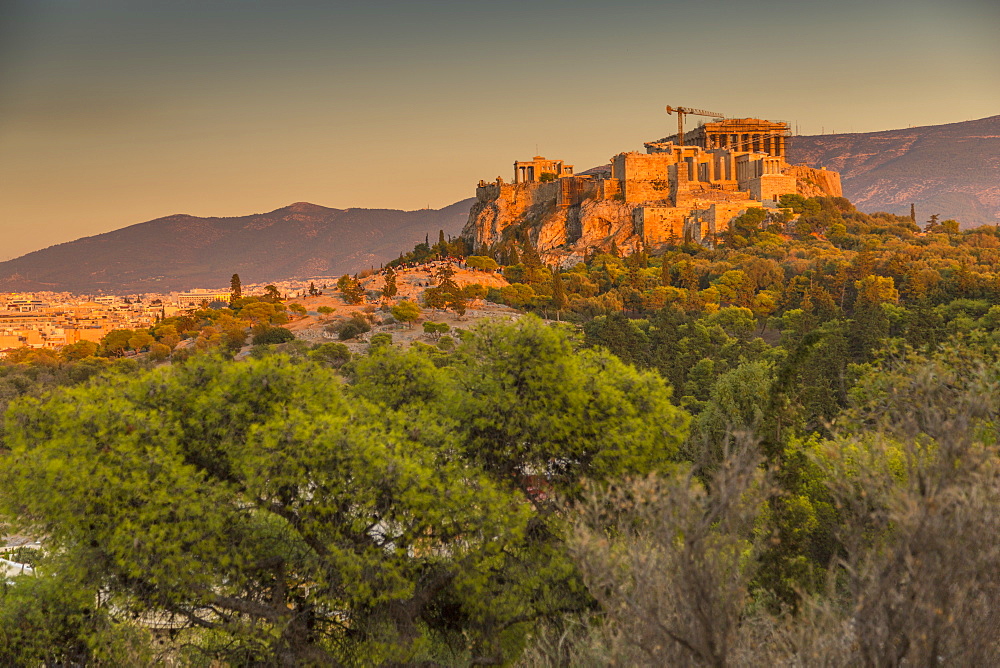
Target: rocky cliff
<point x="562" y="233"/>
<point x="514" y="212"/>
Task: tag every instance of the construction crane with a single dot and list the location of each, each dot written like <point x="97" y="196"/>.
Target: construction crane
<point x="683" y="111"/>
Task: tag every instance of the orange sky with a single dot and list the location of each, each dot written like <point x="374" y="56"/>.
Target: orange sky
<point x="114" y="113"/>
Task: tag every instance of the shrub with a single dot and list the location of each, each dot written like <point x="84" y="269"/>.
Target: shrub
<point x="264" y="335"/>
<point x="349" y="327"/>
<point x="334" y="354"/>
<point x="381" y="340"/>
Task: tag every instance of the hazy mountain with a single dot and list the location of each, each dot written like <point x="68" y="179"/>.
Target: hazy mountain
<point x="179" y="252"/>
<point x="952" y="170"/>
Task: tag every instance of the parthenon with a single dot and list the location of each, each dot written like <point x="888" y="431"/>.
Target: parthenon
<point x="752" y="135"/>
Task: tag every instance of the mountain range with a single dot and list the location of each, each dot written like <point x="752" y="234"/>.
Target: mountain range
<point x="951" y="170"/>
<point x="180" y="252"/>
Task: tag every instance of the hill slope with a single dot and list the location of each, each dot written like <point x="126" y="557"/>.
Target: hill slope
<point x="952" y="170"/>
<point x="179" y="252"/>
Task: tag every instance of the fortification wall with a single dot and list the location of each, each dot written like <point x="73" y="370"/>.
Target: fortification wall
<point x="658" y="225"/>
<point x="641" y="166"/>
<point x="772" y="186"/>
<point x="812" y="182"/>
<point x="638" y="191"/>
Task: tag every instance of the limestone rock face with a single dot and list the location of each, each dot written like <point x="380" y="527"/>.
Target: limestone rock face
<point x="562" y="235"/>
<point x="812" y="182"/>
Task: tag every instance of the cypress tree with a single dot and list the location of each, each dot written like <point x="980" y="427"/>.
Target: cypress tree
<point x="235" y="288"/>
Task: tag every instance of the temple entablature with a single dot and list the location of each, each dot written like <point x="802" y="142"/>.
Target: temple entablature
<point x="749" y="135"/>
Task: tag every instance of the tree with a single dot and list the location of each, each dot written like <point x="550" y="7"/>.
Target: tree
<point x="201" y="509"/>
<point x="115" y="342"/>
<point x="559" y="300"/>
<point x="380" y="340"/>
<point x="389" y="290"/>
<point x="265" y="335"/>
<point x="436" y="329"/>
<point x="406" y="311"/>
<point x="235" y="288"/>
<point x="291" y="518"/>
<point x="481" y="263"/>
<point x="351" y="289"/>
<point x="271" y="294"/>
<point x="517" y="373"/>
<point x="670" y="560"/>
<point x="140" y="341"/>
<point x="79" y="350"/>
<point x="333" y="354"/>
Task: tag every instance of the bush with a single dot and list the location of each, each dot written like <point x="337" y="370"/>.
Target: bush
<point x="263" y="335"/>
<point x="334" y="354"/>
<point x="349" y="328"/>
<point x="381" y="340"/>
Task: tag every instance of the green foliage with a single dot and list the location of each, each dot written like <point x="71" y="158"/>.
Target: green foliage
<point x="349" y="328"/>
<point x="406" y="311"/>
<point x="481" y="263"/>
<point x="334" y="354"/>
<point x="380" y="340"/>
<point x="264" y="335"/>
<point x="398" y="515"/>
<point x="436" y="329"/>
<point x="351" y="289"/>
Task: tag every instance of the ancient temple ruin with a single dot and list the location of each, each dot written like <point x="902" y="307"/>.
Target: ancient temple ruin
<point x="536" y="169"/>
<point x="670" y="193"/>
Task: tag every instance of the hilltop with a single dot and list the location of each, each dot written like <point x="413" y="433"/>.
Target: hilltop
<point x="181" y="251"/>
<point x="952" y="170"/>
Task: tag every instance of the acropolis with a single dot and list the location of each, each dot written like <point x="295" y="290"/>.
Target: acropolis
<point x="673" y="192"/>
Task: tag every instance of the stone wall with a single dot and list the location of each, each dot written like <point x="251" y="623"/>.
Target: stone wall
<point x="637" y="192"/>
<point x="658" y="225"/>
<point x="771" y="186"/>
<point x="816" y="182"/>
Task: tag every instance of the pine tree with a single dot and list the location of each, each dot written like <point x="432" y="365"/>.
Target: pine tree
<point x="235" y="288"/>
